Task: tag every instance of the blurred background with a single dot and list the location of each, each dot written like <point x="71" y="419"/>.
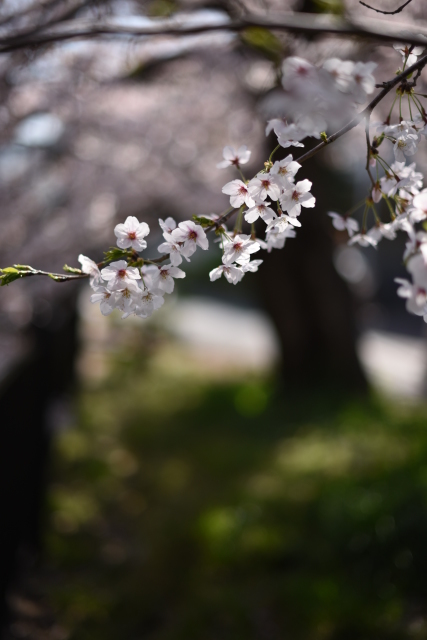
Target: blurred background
<point x="249" y="463"/>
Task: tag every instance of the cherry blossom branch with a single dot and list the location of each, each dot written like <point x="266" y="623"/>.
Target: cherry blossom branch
<point x="389" y="13"/>
<point x="132" y="258"/>
<point x="364" y="114"/>
<point x="301" y="23"/>
<point x="26" y="271"/>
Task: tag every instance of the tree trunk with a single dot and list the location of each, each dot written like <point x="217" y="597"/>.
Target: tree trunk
<point x="310" y="304"/>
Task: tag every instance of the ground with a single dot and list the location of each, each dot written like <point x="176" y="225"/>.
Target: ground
<point x="183" y="506"/>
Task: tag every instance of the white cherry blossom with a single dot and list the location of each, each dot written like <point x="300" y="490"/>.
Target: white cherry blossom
<point x="296" y="197"/>
<point x="232" y="157"/>
<point x="260" y="210"/>
<point x="105" y="298"/>
<point x="173" y="248"/>
<point x="310" y="124"/>
<point x="277" y="125"/>
<point x="167" y="225"/>
<point x="284" y="171"/>
<point x="148" y="303"/>
<point x="364" y="240"/>
<point x="401" y="129"/>
<point x="408" y="56"/>
<point x="363" y="80"/>
<point x="420" y="204"/>
<point x="119" y="275"/>
<point x="344" y="223"/>
<point x="417" y="267"/>
<point x="341" y="71"/>
<point x="239" y="249"/>
<point x="276" y="239"/>
<point x="390" y="184"/>
<point x="239" y="194"/>
<point x="264" y="186"/>
<point x="296" y="72"/>
<point x="164" y="278"/>
<point x="408" y="172"/>
<point x="91" y="268"/>
<point x="251" y="266"/>
<point x="127" y="299"/>
<point x="282" y="223"/>
<point x="290" y="136"/>
<point x="416" y="296"/>
<point x="192" y="235"/>
<point x="132" y="234"/>
<point x="405" y="145"/>
<point x="232" y="274"/>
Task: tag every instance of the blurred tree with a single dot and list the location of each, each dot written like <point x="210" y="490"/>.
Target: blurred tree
<point x="83" y="145"/>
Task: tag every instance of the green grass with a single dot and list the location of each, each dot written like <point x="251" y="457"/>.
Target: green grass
<point x="181" y="508"/>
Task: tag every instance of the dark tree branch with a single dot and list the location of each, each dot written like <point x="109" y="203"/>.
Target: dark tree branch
<point x="389" y="13"/>
<point x="301" y="23"/>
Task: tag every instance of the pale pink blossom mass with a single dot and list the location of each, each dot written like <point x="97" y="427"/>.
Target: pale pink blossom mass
<point x="269" y="207"/>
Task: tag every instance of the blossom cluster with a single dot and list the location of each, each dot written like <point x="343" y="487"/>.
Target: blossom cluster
<point x="401" y="188"/>
<point x="277" y="183"/>
<point x="139" y="290"/>
<point x="313" y="98"/>
<point x="316" y="98"/>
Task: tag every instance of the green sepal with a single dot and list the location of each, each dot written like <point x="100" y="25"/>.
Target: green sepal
<point x="324" y="136"/>
<point x="202" y="221"/>
<point x="136" y="263"/>
<point x="114" y="253"/>
<point x="56" y="278"/>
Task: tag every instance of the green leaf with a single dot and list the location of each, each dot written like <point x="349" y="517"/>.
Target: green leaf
<point x="9" y="270"/>
<point x="9" y="275"/>
<point x="264" y="41"/>
<point x="161" y="8"/>
<point x="336" y="7"/>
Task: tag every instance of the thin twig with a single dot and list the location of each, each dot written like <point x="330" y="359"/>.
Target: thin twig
<point x="389" y="13"/>
<point x="368" y="148"/>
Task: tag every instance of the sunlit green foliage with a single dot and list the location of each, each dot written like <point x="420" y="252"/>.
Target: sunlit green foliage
<point x="186" y="509"/>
